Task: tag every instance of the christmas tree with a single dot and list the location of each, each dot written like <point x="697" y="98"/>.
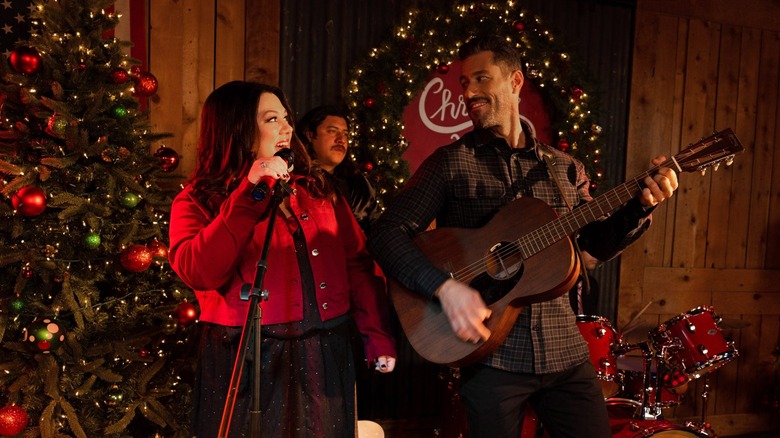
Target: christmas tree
<point x="95" y="326"/>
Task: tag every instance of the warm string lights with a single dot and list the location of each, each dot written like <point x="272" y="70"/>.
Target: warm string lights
<point x="382" y="85"/>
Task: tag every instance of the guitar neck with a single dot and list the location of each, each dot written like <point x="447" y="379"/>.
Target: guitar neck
<point x="710" y="151"/>
<point x="569" y="223"/>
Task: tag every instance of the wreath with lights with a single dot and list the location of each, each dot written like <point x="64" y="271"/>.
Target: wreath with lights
<point x="384" y="83"/>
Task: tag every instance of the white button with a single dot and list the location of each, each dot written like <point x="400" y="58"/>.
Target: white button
<point x="315" y="252"/>
<point x="322" y="285"/>
<point x="325" y="306"/>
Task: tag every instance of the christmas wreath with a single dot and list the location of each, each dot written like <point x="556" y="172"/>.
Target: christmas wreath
<point x="385" y="82"/>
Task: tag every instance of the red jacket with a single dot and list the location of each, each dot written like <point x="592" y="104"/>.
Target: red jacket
<point x="216" y="256"/>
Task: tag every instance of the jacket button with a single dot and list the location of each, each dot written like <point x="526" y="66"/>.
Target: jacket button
<point x="315" y="252"/>
<point x="322" y="285"/>
<point x="325" y="306"/>
<point x="536" y="328"/>
<point x="304" y="217"/>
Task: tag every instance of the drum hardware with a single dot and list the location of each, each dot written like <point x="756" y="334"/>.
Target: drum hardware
<point x="651" y="411"/>
<point x="705" y="395"/>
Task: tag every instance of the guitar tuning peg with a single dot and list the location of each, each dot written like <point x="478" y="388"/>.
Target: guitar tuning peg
<point x="715" y="166"/>
<point x="730" y="160"/>
<point x="703" y="171"/>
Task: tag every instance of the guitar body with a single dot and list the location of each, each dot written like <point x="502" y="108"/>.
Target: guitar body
<point x="505" y="285"/>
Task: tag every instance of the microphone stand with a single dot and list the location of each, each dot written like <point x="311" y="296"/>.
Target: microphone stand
<point x="253" y="323"/>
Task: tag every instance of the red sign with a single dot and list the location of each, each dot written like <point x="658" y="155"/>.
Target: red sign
<point x="438" y="116"/>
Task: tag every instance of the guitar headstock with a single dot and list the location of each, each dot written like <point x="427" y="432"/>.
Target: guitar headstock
<point x="711" y="151"/>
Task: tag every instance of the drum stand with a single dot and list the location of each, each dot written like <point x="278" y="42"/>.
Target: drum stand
<point x="703" y="427"/>
<point x="651" y="411"/>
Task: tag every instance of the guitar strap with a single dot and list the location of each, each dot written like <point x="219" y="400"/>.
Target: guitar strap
<point x="549" y="159"/>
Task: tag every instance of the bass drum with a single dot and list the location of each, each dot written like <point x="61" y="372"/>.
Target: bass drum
<point x="625" y="424"/>
<point x="659" y="428"/>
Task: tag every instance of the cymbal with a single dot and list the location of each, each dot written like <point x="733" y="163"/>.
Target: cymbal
<point x="733" y="324"/>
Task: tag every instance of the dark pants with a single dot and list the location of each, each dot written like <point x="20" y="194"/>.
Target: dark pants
<point x="569" y="403"/>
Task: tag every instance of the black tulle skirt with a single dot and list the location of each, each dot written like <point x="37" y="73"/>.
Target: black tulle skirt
<point x="307" y="385"/>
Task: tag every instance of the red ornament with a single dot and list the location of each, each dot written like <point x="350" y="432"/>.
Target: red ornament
<point x="443" y="68"/>
<point x="29" y="201"/>
<point x="576" y="93"/>
<point x="369" y="102"/>
<point x="169" y="159"/>
<point x="13" y="420"/>
<point x="186" y="313"/>
<point x="563" y="144"/>
<point x="135" y="70"/>
<point x="25" y="60"/>
<point x="56" y="125"/>
<point x="159" y="251"/>
<point x="119" y="75"/>
<point x="27" y="272"/>
<point x="136" y="258"/>
<point x="145" y="84"/>
<point x="367" y="166"/>
<point x="519" y="26"/>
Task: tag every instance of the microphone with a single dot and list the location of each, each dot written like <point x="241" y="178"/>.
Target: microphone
<point x="263" y="188"/>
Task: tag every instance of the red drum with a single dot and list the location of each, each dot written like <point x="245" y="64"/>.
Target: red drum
<point x="629" y="428"/>
<point x="622" y="420"/>
<point x="602" y="341"/>
<point x="693" y="342"/>
<point x="673" y="385"/>
<point x="632" y="382"/>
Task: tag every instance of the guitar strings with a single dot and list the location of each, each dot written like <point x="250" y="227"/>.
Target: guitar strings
<point x="536" y="238"/>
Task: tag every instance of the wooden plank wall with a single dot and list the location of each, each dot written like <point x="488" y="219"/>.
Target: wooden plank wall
<point x="196" y="46"/>
<point x="699" y="69"/>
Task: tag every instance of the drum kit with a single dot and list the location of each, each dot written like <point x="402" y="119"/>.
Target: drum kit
<point x="638" y="380"/>
<point x="637" y="387"/>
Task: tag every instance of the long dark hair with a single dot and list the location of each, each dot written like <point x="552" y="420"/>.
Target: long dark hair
<point x="228" y="128"/>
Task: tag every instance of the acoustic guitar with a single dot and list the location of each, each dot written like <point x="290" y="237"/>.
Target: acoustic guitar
<point x="522" y="256"/>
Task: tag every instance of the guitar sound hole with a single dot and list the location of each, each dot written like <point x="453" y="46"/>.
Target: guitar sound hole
<point x="503" y="269"/>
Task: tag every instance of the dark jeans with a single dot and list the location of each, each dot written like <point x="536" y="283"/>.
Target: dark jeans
<point x="569" y="403"/>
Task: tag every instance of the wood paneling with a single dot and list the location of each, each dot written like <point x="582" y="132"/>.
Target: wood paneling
<point x="194" y="47"/>
<point x="263" y="23"/>
<point x="714" y="243"/>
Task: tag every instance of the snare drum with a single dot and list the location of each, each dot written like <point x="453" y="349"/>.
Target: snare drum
<point x="603" y="340"/>
<point x="693" y="342"/>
